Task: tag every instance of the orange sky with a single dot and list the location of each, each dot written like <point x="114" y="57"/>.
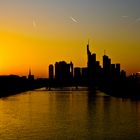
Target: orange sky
<point x="34" y="34"/>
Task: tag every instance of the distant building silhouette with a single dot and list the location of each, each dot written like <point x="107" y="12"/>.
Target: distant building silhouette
<point x="85" y="74"/>
<point x="118" y="70"/>
<point x="63" y="71"/>
<point x="123" y="74"/>
<point x="113" y="70"/>
<point x="77" y="73"/>
<point x="91" y="64"/>
<point x="91" y="59"/>
<point x="106" y="66"/>
<point x="94" y="68"/>
<point x="51" y="71"/>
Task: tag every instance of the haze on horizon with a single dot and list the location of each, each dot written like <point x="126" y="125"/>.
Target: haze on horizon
<point x="36" y="33"/>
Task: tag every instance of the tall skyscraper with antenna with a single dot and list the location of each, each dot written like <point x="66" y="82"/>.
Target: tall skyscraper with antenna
<point x="91" y="65"/>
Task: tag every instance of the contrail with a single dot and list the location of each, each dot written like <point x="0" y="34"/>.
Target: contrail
<point x="125" y="16"/>
<point x="138" y="19"/>
<point x="73" y="19"/>
<point x="132" y="21"/>
<point x="34" y="24"/>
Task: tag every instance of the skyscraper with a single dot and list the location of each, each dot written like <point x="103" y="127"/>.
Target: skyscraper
<point x="51" y="71"/>
<point x="63" y="71"/>
<point x="77" y="72"/>
<point x="118" y="70"/>
<point x="91" y="58"/>
<point x="106" y="65"/>
<point x="91" y="65"/>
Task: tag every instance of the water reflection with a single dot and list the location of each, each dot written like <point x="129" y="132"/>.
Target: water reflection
<point x="68" y="114"/>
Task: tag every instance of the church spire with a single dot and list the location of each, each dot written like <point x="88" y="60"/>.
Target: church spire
<point x="30" y="76"/>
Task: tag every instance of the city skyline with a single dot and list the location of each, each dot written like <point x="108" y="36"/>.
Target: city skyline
<point x="91" y="75"/>
<point x="36" y="33"/>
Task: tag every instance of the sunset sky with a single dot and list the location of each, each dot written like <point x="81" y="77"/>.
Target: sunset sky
<point x="36" y="33"/>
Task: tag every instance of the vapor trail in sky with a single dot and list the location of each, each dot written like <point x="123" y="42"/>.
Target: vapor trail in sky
<point x="125" y="16"/>
<point x="138" y="19"/>
<point x="73" y="19"/>
<point x="34" y="24"/>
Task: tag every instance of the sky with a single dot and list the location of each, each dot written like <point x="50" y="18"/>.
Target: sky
<point x="36" y="33"/>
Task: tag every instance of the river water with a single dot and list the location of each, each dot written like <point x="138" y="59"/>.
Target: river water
<point x="68" y="114"/>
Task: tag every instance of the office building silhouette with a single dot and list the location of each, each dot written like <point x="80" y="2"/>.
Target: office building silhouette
<point x="51" y="71"/>
<point x="77" y="73"/>
<point x="106" y="66"/>
<point x="118" y="70"/>
<point x="91" y="66"/>
<point x="63" y="71"/>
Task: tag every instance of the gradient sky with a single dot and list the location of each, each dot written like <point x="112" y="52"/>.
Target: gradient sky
<point x="35" y="33"/>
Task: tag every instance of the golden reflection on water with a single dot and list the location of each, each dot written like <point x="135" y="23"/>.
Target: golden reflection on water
<point x="68" y="115"/>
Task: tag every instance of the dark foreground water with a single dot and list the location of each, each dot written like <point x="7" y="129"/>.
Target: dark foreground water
<point x="78" y="115"/>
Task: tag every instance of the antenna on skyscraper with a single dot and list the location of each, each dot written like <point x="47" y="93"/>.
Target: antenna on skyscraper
<point x="104" y="52"/>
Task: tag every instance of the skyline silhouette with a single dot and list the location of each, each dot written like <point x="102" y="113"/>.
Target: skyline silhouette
<point x="91" y="62"/>
<point x="109" y="78"/>
<point x="90" y="56"/>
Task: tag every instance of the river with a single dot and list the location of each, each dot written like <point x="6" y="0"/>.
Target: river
<point x="68" y="114"/>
